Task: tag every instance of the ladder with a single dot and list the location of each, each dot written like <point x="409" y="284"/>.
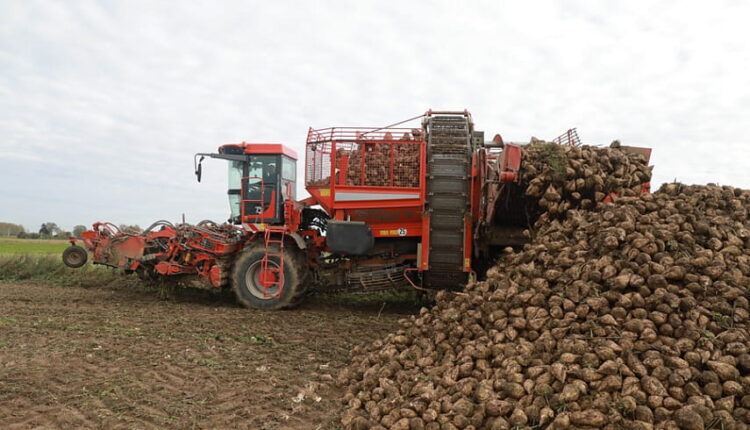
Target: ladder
<point x="273" y="272"/>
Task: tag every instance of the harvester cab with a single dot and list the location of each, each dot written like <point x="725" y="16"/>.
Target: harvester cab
<point x="261" y="176"/>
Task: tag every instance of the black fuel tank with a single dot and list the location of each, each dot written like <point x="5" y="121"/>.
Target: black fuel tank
<point x="349" y="237"/>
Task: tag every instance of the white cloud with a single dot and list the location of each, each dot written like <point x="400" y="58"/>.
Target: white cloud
<point x="103" y="104"/>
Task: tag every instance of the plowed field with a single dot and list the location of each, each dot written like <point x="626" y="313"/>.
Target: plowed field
<point x="114" y="356"/>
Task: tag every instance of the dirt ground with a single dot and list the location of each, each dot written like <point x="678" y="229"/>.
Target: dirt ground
<point x="115" y="356"/>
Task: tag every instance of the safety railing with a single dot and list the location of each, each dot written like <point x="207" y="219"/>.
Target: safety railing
<point x="349" y="156"/>
<point x="570" y="137"/>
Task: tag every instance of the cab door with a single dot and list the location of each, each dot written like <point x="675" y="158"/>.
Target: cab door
<point x="261" y="190"/>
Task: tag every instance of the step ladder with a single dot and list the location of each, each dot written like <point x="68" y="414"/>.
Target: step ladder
<point x="274" y="241"/>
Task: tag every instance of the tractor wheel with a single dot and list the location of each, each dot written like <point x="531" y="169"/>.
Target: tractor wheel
<point x="248" y="281"/>
<point x="74" y="256"/>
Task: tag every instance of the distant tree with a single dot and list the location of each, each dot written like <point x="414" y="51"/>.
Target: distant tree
<point x="10" y="229"/>
<point x="49" y="229"/>
<point x="53" y="228"/>
<point x="63" y="235"/>
<point x="78" y="230"/>
<point x="22" y="235"/>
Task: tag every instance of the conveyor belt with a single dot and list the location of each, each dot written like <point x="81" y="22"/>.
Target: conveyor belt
<point x="449" y="176"/>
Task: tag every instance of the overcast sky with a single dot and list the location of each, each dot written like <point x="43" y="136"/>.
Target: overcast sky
<point x="103" y="104"/>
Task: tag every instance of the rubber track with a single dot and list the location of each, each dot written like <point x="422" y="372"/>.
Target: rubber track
<point x="449" y="175"/>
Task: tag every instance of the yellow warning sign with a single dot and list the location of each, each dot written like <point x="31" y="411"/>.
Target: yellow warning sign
<point x="394" y="232"/>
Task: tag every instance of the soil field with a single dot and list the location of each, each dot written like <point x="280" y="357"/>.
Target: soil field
<point x="114" y="356"/>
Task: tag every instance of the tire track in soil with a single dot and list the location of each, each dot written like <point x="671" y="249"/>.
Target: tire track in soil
<point x="118" y="357"/>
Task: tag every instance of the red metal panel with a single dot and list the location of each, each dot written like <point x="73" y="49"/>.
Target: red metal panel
<point x="478" y="166"/>
<point x="511" y="163"/>
<point x="130" y="248"/>
<point x="381" y="215"/>
<point x="321" y="196"/>
<point x="425" y="257"/>
<point x="468" y="241"/>
<point x="332" y="171"/>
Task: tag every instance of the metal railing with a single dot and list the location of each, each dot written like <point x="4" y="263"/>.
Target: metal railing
<point x="355" y="156"/>
<point x="570" y="137"/>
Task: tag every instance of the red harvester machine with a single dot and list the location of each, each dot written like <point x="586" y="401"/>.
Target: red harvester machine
<point x="388" y="207"/>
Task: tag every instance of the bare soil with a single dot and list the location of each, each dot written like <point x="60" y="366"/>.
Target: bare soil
<point x="114" y="356"/>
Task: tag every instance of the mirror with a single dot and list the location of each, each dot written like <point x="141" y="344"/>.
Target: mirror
<point x="199" y="169"/>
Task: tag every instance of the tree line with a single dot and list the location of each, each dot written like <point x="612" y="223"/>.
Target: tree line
<point x="50" y="230"/>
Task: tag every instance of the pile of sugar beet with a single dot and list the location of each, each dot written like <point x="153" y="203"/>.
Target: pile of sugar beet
<point x="625" y="315"/>
<point x="383" y="165"/>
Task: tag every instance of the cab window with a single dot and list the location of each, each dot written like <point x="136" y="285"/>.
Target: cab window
<point x="263" y="167"/>
<point x="288" y="168"/>
<point x="288" y="177"/>
<point x="235" y="184"/>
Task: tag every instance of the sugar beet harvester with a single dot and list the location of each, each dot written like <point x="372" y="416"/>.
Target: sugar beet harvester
<point x="388" y="207"/>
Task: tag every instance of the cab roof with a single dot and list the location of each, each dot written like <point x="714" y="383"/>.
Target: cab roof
<point x="259" y="148"/>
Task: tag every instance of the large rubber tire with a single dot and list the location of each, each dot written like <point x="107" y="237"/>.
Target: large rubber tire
<point x="250" y="293"/>
<point x="74" y="256"/>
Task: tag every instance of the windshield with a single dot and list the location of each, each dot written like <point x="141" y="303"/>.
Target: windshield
<point x="263" y="167"/>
